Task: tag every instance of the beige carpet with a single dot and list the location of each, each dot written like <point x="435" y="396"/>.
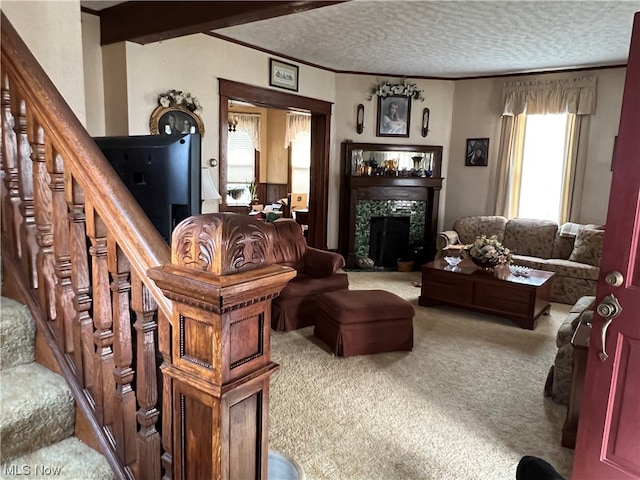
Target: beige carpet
<point x="466" y="403"/>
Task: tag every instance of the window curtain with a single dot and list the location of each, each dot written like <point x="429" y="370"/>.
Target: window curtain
<point x="296" y="123"/>
<point x="577" y="97"/>
<point x="249" y="123"/>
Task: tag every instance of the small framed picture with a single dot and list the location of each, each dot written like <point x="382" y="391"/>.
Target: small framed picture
<point x="176" y="119"/>
<point x="477" y="152"/>
<point x="394" y="113"/>
<point x="283" y="75"/>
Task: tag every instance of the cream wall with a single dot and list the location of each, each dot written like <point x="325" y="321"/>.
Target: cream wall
<point x="476" y="114"/>
<point x="194" y="64"/>
<point x="116" y="95"/>
<point x="352" y="90"/>
<point x="136" y="74"/>
<point x="93" y="78"/>
<point x="52" y="31"/>
<point x="278" y="155"/>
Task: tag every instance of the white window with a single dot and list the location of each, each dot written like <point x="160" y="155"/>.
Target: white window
<point x="241" y="164"/>
<point x="301" y="163"/>
<point x="540" y="181"/>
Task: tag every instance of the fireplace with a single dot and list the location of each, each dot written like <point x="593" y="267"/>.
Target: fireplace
<point x="364" y="198"/>
<point x="388" y="240"/>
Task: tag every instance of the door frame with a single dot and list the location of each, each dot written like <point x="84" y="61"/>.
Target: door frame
<point x="320" y="144"/>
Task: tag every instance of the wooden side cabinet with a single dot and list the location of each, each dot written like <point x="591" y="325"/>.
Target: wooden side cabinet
<point x="580" y="341"/>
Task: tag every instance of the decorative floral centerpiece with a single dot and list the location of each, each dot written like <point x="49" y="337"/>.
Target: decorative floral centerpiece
<point x="175" y="98"/>
<point x="488" y="252"/>
<point x="405" y="89"/>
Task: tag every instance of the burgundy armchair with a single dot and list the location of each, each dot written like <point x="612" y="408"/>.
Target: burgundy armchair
<point x="317" y="272"/>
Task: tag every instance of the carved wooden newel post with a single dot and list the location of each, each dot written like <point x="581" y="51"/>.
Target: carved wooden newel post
<point x="221" y="284"/>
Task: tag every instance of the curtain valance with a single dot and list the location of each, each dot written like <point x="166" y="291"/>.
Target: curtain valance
<point x="576" y="96"/>
<point x="296" y="123"/>
<point x="250" y="124"/>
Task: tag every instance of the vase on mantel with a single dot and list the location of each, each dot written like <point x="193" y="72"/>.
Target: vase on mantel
<point x="416" y="162"/>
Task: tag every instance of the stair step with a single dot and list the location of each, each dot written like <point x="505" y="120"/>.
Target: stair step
<point x="17" y="334"/>
<point x="69" y="459"/>
<point x="37" y="410"/>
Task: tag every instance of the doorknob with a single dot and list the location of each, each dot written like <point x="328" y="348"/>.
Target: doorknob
<point x="614" y="279"/>
<point x="608" y="309"/>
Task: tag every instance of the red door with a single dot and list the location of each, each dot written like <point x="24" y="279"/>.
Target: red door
<point x="608" y="444"/>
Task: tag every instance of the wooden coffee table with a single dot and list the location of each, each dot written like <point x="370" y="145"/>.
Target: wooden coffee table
<point x="520" y="299"/>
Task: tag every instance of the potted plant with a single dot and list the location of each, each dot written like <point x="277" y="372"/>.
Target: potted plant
<point x="254" y="203"/>
<point x="252" y="192"/>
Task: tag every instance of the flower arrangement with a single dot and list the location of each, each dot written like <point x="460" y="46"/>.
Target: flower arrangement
<point x="488" y="251"/>
<point x="176" y="97"/>
<point x="405" y="89"/>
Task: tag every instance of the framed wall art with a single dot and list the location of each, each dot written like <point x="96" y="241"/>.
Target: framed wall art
<point x="394" y="114"/>
<point x="177" y="113"/>
<point x="477" y="152"/>
<point x="283" y="75"/>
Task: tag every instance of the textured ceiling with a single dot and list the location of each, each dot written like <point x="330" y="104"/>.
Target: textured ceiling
<point x="449" y="38"/>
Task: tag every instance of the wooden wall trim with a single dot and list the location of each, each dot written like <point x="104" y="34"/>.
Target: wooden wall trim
<point x="320" y="144"/>
<point x="267" y="97"/>
<point x="152" y="21"/>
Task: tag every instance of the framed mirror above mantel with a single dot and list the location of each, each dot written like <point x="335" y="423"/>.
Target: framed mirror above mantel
<point x="389" y="200"/>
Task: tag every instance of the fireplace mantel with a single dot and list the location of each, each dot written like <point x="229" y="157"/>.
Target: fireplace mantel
<point x="363" y="196"/>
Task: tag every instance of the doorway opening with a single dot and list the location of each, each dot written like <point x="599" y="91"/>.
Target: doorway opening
<point x="320" y="112"/>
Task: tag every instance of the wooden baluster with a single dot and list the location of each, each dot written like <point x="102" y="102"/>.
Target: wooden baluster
<point x="83" y="324"/>
<point x="124" y="409"/>
<point x="65" y="311"/>
<point x="103" y="386"/>
<point x="28" y="228"/>
<point x="44" y="235"/>
<point x="164" y="345"/>
<point x="148" y="443"/>
<point x="10" y="157"/>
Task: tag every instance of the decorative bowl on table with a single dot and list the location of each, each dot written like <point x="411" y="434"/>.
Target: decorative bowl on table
<point x="519" y="270"/>
<point x="484" y="264"/>
<point x="452" y="264"/>
<point x="452" y="261"/>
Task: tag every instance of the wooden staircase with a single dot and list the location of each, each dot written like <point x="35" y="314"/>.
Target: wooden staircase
<point x="38" y="412"/>
<point x="165" y="352"/>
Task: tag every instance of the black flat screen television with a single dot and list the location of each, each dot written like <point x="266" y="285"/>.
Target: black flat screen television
<point x="161" y="171"/>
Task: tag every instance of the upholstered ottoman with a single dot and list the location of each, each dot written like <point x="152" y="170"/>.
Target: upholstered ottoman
<point x="361" y="322"/>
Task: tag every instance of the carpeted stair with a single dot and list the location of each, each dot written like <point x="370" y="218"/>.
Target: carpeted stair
<point x="37" y="411"/>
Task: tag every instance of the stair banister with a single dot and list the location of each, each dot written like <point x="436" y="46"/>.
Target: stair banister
<point x="86" y="162"/>
<point x="58" y="192"/>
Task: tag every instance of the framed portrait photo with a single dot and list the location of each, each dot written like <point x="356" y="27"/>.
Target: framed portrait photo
<point x="283" y="75"/>
<point x="394" y="114"/>
<point x="176" y="119"/>
<point x="477" y="152"/>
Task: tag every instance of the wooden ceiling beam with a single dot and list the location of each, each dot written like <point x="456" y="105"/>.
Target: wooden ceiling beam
<point x="151" y="21"/>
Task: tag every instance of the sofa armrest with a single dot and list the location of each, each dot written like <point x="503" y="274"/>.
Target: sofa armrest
<point x="320" y="263"/>
<point x="444" y="240"/>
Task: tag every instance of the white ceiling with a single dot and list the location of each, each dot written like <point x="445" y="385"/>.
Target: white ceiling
<point x="449" y="38"/>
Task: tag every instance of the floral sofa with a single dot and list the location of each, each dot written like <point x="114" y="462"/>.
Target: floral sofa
<point x="571" y="251"/>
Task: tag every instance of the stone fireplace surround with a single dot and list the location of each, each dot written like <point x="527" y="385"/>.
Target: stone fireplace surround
<point x="368" y="209"/>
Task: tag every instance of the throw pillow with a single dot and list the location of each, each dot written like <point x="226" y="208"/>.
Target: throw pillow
<point x="588" y="247"/>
